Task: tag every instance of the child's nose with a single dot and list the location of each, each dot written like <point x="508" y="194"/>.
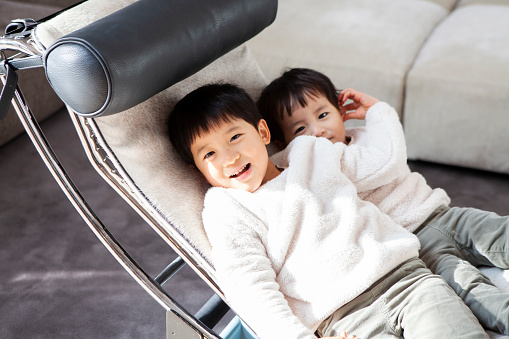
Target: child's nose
<point x="318" y="131"/>
<point x="230" y="157"/>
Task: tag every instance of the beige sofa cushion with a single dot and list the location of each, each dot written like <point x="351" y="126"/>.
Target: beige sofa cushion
<point x="447" y="4"/>
<point x="457" y="99"/>
<point x="366" y="44"/>
<point x="483" y="2"/>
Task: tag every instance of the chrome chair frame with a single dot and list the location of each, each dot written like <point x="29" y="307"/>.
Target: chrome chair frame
<point x="180" y="323"/>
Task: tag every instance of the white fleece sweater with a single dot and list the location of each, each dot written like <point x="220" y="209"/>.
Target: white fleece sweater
<point x="297" y="249"/>
<point x="407" y="199"/>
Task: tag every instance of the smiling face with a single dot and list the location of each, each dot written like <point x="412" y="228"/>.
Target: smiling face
<point x="233" y="155"/>
<point x="318" y="118"/>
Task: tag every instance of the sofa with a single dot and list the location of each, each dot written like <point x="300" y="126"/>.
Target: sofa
<point x="442" y="64"/>
<point x="41" y="98"/>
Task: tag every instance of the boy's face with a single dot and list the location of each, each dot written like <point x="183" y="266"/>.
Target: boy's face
<point x="319" y="118"/>
<point x="234" y="155"/>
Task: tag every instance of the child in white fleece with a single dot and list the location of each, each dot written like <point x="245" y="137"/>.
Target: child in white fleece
<point x="453" y="240"/>
<point x="296" y="252"/>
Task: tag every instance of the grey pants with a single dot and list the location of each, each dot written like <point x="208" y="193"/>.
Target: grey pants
<point x="458" y="240"/>
<point x="410" y="302"/>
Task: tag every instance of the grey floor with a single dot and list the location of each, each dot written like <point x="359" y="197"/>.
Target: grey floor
<point x="57" y="280"/>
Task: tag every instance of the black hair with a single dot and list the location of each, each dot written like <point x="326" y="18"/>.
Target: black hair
<point x="292" y="88"/>
<point x="206" y="108"/>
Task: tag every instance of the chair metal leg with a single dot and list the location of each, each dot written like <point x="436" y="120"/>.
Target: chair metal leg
<point x="178" y="328"/>
<point x="154" y="289"/>
<point x="170" y="270"/>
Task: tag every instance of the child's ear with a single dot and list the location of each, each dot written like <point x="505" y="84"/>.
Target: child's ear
<point x="263" y="130"/>
<point x="342" y="111"/>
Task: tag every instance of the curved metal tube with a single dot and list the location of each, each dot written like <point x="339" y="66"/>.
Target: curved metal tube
<point x="26" y="45"/>
<point x="41" y="144"/>
<point x="106" y="163"/>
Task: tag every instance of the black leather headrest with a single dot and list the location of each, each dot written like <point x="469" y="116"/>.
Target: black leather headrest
<point x="125" y="58"/>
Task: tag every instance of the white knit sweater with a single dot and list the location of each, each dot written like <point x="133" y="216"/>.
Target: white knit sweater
<point x="407" y="199"/>
<point x="302" y="245"/>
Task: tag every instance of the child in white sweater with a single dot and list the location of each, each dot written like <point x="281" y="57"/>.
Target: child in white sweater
<point x="296" y="252"/>
<point x="453" y="240"/>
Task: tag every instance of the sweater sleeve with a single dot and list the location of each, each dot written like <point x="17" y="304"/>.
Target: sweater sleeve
<point x="379" y="157"/>
<point x="244" y="271"/>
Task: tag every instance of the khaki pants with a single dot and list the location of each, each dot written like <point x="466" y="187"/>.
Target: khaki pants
<point x="410" y="302"/>
<point x="454" y="243"/>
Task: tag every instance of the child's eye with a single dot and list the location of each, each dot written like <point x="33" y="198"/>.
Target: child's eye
<point x="208" y="155"/>
<point x="235" y="137"/>
<point x="300" y="129"/>
<point x="323" y="115"/>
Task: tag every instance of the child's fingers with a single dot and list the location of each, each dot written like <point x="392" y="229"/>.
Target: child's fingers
<point x="343" y="335"/>
<point x="345" y="95"/>
<point x="352" y="106"/>
<point x="359" y="114"/>
<point x="349" y="116"/>
<point x="347" y="90"/>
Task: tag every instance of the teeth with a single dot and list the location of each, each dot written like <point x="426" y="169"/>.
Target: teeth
<point x="238" y="172"/>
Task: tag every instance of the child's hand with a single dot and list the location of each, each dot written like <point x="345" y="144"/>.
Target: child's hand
<point x="360" y="105"/>
<point x="343" y="335"/>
